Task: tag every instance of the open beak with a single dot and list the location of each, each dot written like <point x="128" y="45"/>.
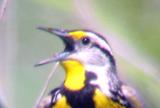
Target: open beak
<point x="63" y="34"/>
<point x="57" y="32"/>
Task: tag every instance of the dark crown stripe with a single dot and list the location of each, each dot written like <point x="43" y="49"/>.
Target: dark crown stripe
<point x="107" y="53"/>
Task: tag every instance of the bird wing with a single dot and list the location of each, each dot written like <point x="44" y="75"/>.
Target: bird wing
<point x="132" y="96"/>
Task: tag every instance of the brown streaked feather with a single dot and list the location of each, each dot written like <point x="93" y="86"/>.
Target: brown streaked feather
<point x="131" y="96"/>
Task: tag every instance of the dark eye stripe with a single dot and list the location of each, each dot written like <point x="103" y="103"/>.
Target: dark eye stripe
<point x="97" y="34"/>
<point x="106" y="52"/>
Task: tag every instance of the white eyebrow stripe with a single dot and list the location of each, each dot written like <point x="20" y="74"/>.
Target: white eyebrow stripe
<point x="102" y="43"/>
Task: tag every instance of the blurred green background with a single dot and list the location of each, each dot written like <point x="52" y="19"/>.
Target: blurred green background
<point x="132" y="28"/>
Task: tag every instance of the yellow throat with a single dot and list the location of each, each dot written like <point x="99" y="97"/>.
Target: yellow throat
<point x="75" y="74"/>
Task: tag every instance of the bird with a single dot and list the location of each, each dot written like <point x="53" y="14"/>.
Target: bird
<point x="91" y="79"/>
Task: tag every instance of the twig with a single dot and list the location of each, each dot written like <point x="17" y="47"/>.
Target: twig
<point x="3" y="8"/>
<point x="46" y="85"/>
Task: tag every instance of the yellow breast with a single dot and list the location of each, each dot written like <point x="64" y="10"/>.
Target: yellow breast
<point x="75" y="74"/>
<point x="102" y="101"/>
<point x="62" y="103"/>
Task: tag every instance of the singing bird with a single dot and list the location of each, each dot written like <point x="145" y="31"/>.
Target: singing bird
<point x="91" y="79"/>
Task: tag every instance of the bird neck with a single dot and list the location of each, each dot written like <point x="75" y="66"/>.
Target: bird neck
<point x="106" y="78"/>
<point x="75" y="74"/>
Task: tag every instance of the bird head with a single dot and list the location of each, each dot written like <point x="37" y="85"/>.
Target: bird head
<point x="85" y="46"/>
<point x="85" y="51"/>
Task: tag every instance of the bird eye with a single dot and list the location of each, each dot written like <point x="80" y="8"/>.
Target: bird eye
<point x="85" y="40"/>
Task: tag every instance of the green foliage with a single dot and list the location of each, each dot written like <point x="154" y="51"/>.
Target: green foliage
<point x="137" y="20"/>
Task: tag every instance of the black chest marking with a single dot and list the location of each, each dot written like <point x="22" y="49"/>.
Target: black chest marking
<point x="81" y="98"/>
